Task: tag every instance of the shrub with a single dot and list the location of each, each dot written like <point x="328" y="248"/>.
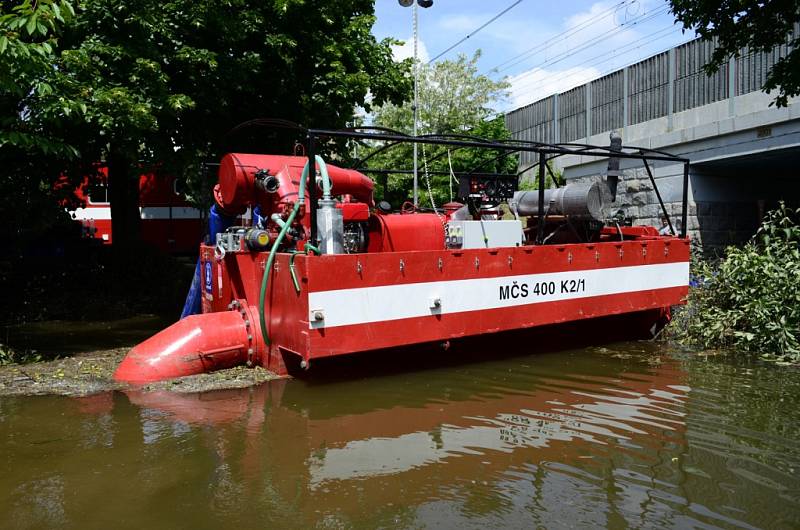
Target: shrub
<point x="11" y="356"/>
<point x="750" y="300"/>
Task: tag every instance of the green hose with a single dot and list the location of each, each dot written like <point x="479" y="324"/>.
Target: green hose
<point x="301" y="197"/>
<point x="326" y="180"/>
<point x="294" y="275"/>
<point x="268" y="267"/>
<point x="308" y="247"/>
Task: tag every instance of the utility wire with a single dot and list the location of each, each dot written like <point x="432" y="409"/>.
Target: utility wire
<point x="500" y="14"/>
<point x="650" y="38"/>
<point x="616" y="54"/>
<point x="561" y="36"/>
<point x="589" y="43"/>
<point x="664" y="32"/>
<point x="566" y="54"/>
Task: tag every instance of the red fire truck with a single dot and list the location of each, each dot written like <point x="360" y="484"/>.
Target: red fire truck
<point x="168" y="221"/>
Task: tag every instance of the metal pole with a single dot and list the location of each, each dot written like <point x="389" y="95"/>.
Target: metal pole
<point x="416" y="80"/>
<point x="540" y="227"/>
<point x="658" y="196"/>
<point x="685" y="209"/>
<point x="552" y="176"/>
<point x="312" y="188"/>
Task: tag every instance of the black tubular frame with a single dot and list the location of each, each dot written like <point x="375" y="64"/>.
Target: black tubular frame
<point x="545" y="153"/>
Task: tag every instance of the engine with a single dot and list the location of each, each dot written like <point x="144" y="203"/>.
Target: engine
<point x="269" y="186"/>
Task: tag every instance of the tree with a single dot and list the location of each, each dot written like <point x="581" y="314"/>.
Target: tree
<point x="453" y="98"/>
<point x="29" y="36"/>
<point x="759" y="25"/>
<point x="155" y="83"/>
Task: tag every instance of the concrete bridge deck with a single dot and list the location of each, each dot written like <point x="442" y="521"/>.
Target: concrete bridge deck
<point x="744" y="152"/>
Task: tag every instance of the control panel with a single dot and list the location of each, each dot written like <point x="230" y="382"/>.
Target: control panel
<point x="483" y="234"/>
<point x="489" y="189"/>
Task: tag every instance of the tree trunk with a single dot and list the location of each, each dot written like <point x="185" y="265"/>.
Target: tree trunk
<point x="123" y="183"/>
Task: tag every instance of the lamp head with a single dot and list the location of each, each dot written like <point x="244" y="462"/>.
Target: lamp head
<point x="421" y="3"/>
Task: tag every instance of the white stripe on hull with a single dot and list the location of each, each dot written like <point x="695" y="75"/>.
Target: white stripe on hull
<point x="86" y="214"/>
<point x="162" y="212"/>
<point x="363" y="305"/>
<point x="146" y="212"/>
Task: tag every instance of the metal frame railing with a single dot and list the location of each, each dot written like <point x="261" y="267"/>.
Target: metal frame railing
<point x="545" y="152"/>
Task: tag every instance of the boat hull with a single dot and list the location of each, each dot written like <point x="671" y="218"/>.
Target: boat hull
<point x="368" y="302"/>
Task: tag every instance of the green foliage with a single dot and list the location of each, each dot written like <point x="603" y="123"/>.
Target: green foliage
<point x="750" y="300"/>
<point x="29" y="34"/>
<point x="10" y="355"/>
<point x="532" y="182"/>
<point x="755" y="24"/>
<point x="453" y="98"/>
<point x="163" y="83"/>
<point x="166" y="81"/>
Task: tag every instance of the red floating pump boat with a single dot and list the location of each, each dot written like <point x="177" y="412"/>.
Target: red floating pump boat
<point x="322" y="271"/>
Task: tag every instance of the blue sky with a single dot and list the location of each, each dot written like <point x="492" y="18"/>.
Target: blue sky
<point x="542" y="47"/>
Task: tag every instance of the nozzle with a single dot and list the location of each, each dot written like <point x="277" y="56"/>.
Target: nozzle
<point x="194" y="345"/>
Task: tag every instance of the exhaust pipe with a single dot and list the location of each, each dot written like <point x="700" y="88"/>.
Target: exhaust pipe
<point x="194" y="345"/>
<point x="578" y="201"/>
<point x="613" y="173"/>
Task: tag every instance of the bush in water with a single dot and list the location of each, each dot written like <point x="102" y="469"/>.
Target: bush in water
<point x="750" y="300"/>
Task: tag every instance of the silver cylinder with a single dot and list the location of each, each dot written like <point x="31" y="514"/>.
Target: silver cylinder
<point x="578" y="201"/>
<point x="330" y="227"/>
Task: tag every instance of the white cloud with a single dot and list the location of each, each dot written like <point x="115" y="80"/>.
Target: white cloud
<point x="533" y="85"/>
<point x="407" y="50"/>
<point x="600" y="28"/>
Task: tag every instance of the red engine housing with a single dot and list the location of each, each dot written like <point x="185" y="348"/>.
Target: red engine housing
<point x="237" y="190"/>
<point x="402" y="232"/>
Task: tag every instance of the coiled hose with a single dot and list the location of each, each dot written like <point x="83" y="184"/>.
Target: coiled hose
<point x="301" y="199"/>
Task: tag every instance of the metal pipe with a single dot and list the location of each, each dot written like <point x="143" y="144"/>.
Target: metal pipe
<point x="597" y="151"/>
<point x="432" y="172"/>
<point x="540" y="232"/>
<point x="381" y="149"/>
<point x="416" y="82"/>
<point x="612" y="173"/>
<point x="684" y="210"/>
<point x="552" y="176"/>
<point x="312" y="188"/>
<point x="658" y="196"/>
<point x="347" y="132"/>
<point x="276" y="217"/>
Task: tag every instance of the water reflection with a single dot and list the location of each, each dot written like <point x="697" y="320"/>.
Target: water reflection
<point x="589" y="438"/>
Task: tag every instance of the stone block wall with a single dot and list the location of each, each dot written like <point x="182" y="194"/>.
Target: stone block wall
<point x="720" y="224"/>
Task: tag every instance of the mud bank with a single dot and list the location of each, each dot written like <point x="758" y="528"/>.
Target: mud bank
<point x="91" y="372"/>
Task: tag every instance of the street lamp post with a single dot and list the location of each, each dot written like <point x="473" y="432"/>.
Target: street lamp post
<point x="413" y="4"/>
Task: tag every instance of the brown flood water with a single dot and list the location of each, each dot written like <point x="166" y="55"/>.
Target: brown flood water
<point x="631" y="435"/>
